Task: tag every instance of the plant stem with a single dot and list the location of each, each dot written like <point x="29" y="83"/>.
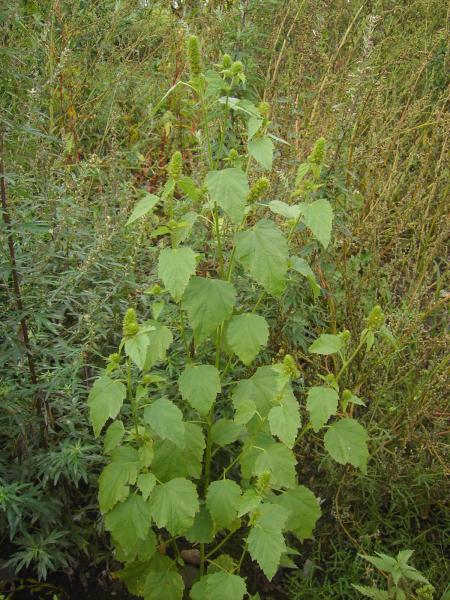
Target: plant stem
<point x="220" y="544"/>
<point x="183" y="334"/>
<point x="347" y="362"/>
<point x="132" y="399"/>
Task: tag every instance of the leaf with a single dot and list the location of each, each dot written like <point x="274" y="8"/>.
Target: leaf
<point x="105" y="401"/>
<point x="253" y="126"/>
<point x="225" y="586"/>
<point x="181" y="233"/>
<point x="265" y="541"/>
<point x="115" y="477"/>
<point x="129" y="520"/>
<point x="322" y="403"/>
<point x="284" y="421"/>
<point x="346" y="442"/>
<point x="175" y="267"/>
<point x="186" y="185"/>
<point x="246" y="334"/>
<point x="225" y="431"/>
<point x="144" y="206"/>
<point x="326" y="343"/>
<point x="166" y="420"/>
<point x="163" y="581"/>
<point x="249" y="502"/>
<point x="174" y="505"/>
<point x="222" y="500"/>
<point x="142" y="549"/>
<point x="261" y="148"/>
<point x="301" y="266"/>
<point x="318" y="216"/>
<point x="229" y="189"/>
<point x="268" y="455"/>
<point x="113" y="435"/>
<point x="245" y="410"/>
<point x="202" y="530"/>
<point x="145" y="483"/>
<point x="304" y="511"/>
<point x="289" y="211"/>
<point x="371" y="592"/>
<point x="160" y="339"/>
<point x="263" y="251"/>
<point x="199" y="385"/>
<point x="208" y="302"/>
<point x="265" y="388"/>
<point x="172" y="461"/>
<point x="136" y="346"/>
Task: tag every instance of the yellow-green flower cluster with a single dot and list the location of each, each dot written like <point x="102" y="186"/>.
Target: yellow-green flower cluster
<point x="375" y="320"/>
<point x="317" y="155"/>
<point x="194" y="58"/>
<point x="130" y="324"/>
<point x="258" y="189"/>
<point x="175" y="166"/>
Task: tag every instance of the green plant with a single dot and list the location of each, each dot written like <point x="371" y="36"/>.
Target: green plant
<point x="402" y="578"/>
<point x="201" y="455"/>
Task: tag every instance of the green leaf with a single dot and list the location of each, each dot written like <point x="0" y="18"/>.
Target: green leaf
<point x="198" y="590"/>
<point x="202" y="531"/>
<point x="326" y="343"/>
<point x="134" y="576"/>
<point x="284" y="421"/>
<point x="225" y="586"/>
<point x="181" y="233"/>
<point x="187" y="186"/>
<point x="129" y="520"/>
<point x="172" y="461"/>
<point x="266" y="387"/>
<point x="322" y="403"/>
<point x="166" y="420"/>
<point x="174" y="505"/>
<point x="253" y="126"/>
<point x="163" y="581"/>
<point x="208" y="302"/>
<point x="225" y="431"/>
<point x="136" y="346"/>
<point x="229" y="189"/>
<point x="301" y="266"/>
<point x="142" y="549"/>
<point x="245" y="410"/>
<point x="261" y="148"/>
<point x="304" y="511"/>
<point x="160" y="339"/>
<point x="113" y="435"/>
<point x="346" y="442"/>
<point x="105" y="401"/>
<point x="222" y="500"/>
<point x="289" y="211"/>
<point x="145" y="483"/>
<point x="249" y="502"/>
<point x="371" y="592"/>
<point x="267" y="455"/>
<point x="318" y="216"/>
<point x="115" y="477"/>
<point x="144" y="206"/>
<point x="246" y="334"/>
<point x="175" y="267"/>
<point x="265" y="541"/>
<point x="199" y="385"/>
<point x="263" y="251"/>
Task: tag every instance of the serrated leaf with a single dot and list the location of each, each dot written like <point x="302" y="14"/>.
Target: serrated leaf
<point x="208" y="302"/>
<point x="105" y="401"/>
<point x="129" y="520"/>
<point x="265" y="541"/>
<point x="261" y="149"/>
<point x="171" y="461"/>
<point x="284" y="421"/>
<point x="166" y="420"/>
<point x="265" y="387"/>
<point x="222" y="500"/>
<point x="174" y="505"/>
<point x="113" y="436"/>
<point x="301" y="266"/>
<point x="136" y="346"/>
<point x="134" y="575"/>
<point x="181" y="233"/>
<point x="249" y="502"/>
<point x="229" y="188"/>
<point x="115" y="477"/>
<point x="318" y="216"/>
<point x="145" y="483"/>
<point x="263" y="251"/>
<point x="187" y="185"/>
<point x="175" y="267"/>
<point x="145" y="205"/>
<point x="160" y="339"/>
<point x="225" y="431"/>
<point x="288" y="211"/>
<point x="246" y="334"/>
<point x="245" y="410"/>
<point x="304" y="511"/>
<point x="371" y="592"/>
<point x="202" y="530"/>
<point x="163" y="581"/>
<point x="346" y="442"/>
<point x="326" y="343"/>
<point x="253" y="126"/>
<point x="225" y="586"/>
<point x="199" y="385"/>
<point x="142" y="549"/>
<point x="267" y="455"/>
<point x="321" y="403"/>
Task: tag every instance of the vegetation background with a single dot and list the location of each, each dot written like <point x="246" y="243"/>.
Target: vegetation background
<point x="78" y="80"/>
